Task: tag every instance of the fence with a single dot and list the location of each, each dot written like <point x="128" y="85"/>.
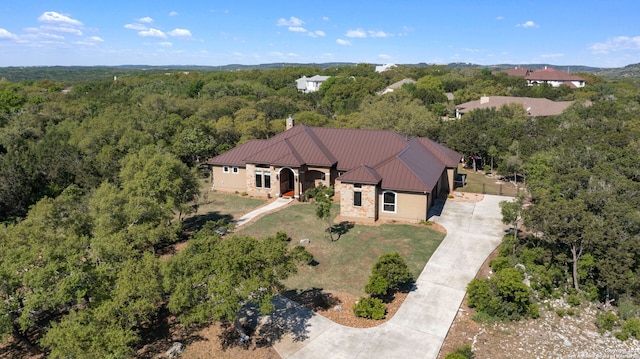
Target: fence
<point x="501" y="189"/>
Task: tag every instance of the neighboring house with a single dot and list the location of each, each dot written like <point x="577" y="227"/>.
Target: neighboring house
<point x="310" y="84"/>
<point x="396" y="86"/>
<point x="550" y="76"/>
<point x="536" y="107"/>
<point x="376" y="174"/>
<point x="385" y="67"/>
<point x="555" y="78"/>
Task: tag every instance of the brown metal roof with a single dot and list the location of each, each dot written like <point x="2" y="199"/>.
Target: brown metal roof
<point x="550" y="74"/>
<point x="361" y="174"/>
<point x="367" y="156"/>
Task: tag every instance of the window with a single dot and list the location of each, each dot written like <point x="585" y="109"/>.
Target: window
<point x="388" y="202"/>
<point x="225" y="169"/>
<point x="263" y="179"/>
<point x="235" y="170"/>
<point x="357" y="185"/>
<point x="267" y="180"/>
<point x="357" y="199"/>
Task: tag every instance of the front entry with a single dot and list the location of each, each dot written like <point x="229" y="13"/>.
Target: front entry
<point x="287" y="182"/>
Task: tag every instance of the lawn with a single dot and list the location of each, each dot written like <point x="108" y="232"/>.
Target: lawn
<point x="344" y="265"/>
<point x="478" y="182"/>
<point x="213" y="206"/>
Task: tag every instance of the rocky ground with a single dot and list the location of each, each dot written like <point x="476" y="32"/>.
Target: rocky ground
<point x="550" y="336"/>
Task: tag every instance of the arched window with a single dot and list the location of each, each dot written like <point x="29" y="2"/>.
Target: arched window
<point x="389" y="201"/>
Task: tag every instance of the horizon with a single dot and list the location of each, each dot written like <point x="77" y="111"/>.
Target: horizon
<point x="251" y="33"/>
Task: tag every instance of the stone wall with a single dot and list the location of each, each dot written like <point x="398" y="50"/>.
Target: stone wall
<point x="367" y="211"/>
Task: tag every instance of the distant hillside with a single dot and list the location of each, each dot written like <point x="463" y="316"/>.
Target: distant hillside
<point x="74" y="74"/>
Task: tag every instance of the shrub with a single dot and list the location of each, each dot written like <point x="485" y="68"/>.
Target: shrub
<point x="503" y="296"/>
<point x="388" y="273"/>
<point x="463" y="352"/>
<point x="626" y="308"/>
<point x="371" y="308"/>
<point x="498" y="264"/>
<point x="632" y="326"/>
<point x="573" y="300"/>
<point x="606" y="321"/>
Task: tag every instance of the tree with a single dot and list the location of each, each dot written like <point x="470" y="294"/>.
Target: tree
<point x="214" y="278"/>
<point x="512" y="213"/>
<point x="323" y="199"/>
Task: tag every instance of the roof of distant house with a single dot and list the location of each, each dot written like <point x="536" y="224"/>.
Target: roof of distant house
<point x="396" y="85"/>
<point x="549" y="74"/>
<point x="535" y="106"/>
<point x="366" y="156"/>
<point x="517" y="71"/>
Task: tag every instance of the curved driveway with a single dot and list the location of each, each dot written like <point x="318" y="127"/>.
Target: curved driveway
<point x="419" y="327"/>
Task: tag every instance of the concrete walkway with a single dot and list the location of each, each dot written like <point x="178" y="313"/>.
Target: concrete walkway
<point x="420" y="326"/>
<point x="280" y="202"/>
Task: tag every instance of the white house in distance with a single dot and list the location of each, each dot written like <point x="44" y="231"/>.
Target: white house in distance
<point x="310" y="84"/>
<point x="385" y="67"/>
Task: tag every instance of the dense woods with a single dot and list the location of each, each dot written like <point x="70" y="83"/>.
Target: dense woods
<point x="94" y="180"/>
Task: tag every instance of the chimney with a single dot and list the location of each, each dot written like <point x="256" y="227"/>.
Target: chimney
<point x="484" y="99"/>
<point x="289" y="122"/>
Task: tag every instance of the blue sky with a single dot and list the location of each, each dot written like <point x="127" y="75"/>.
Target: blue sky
<point x="73" y="32"/>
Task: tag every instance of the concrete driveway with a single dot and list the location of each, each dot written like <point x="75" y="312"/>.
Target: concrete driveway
<point x="474" y="230"/>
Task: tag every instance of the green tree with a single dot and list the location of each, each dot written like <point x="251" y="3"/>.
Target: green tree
<point x="323" y="200"/>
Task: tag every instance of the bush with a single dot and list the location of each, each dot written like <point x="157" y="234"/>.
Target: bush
<point x="499" y="263"/>
<point x="627" y="309"/>
<point x="503" y="296"/>
<point x="573" y="300"/>
<point x="463" y="352"/>
<point x="371" y="308"/>
<point x="606" y="321"/>
<point x="632" y="326"/>
<point x="388" y="273"/>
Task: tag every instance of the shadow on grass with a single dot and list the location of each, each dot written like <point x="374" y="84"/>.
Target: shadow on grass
<point x="342" y="228"/>
<point x="157" y="335"/>
<point x="314" y="299"/>
<point x="195" y="223"/>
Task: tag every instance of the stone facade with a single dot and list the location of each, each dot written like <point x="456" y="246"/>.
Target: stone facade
<point x="367" y="211"/>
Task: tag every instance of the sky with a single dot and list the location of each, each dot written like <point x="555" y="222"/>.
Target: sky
<point x="211" y="33"/>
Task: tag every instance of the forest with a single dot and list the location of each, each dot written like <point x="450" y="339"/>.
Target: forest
<point x="95" y="179"/>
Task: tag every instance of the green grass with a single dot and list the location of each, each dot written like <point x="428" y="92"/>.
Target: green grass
<point x="213" y="206"/>
<point x="344" y="265"/>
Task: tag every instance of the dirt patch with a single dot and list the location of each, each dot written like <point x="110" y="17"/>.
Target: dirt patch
<point x="466" y="197"/>
<point x="338" y="307"/>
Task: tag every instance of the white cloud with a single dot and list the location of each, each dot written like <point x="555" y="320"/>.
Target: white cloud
<point x="153" y="33"/>
<point x="146" y="20"/>
<point x="528" y="24"/>
<point x="378" y="34"/>
<point x="620" y="43"/>
<point x="68" y="30"/>
<point x="184" y="33"/>
<point x="325" y="18"/>
<point x="499" y="17"/>
<point x="56" y="18"/>
<point x="317" y="33"/>
<point x="343" y="42"/>
<point x="292" y="22"/>
<point x="5" y="34"/>
<point x="470" y="50"/>
<point x="47" y="35"/>
<point x="90" y="41"/>
<point x="276" y="54"/>
<point x="137" y="27"/>
<point x="297" y="29"/>
<point x="165" y="44"/>
<point x="357" y="33"/>
<point x="173" y="13"/>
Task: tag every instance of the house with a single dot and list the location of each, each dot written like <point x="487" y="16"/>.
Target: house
<point x="310" y="84"/>
<point x="550" y="76"/>
<point x="536" y="107"/>
<point x="377" y="175"/>
<point x="385" y="67"/>
<point x="396" y="85"/>
<point x="555" y="78"/>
